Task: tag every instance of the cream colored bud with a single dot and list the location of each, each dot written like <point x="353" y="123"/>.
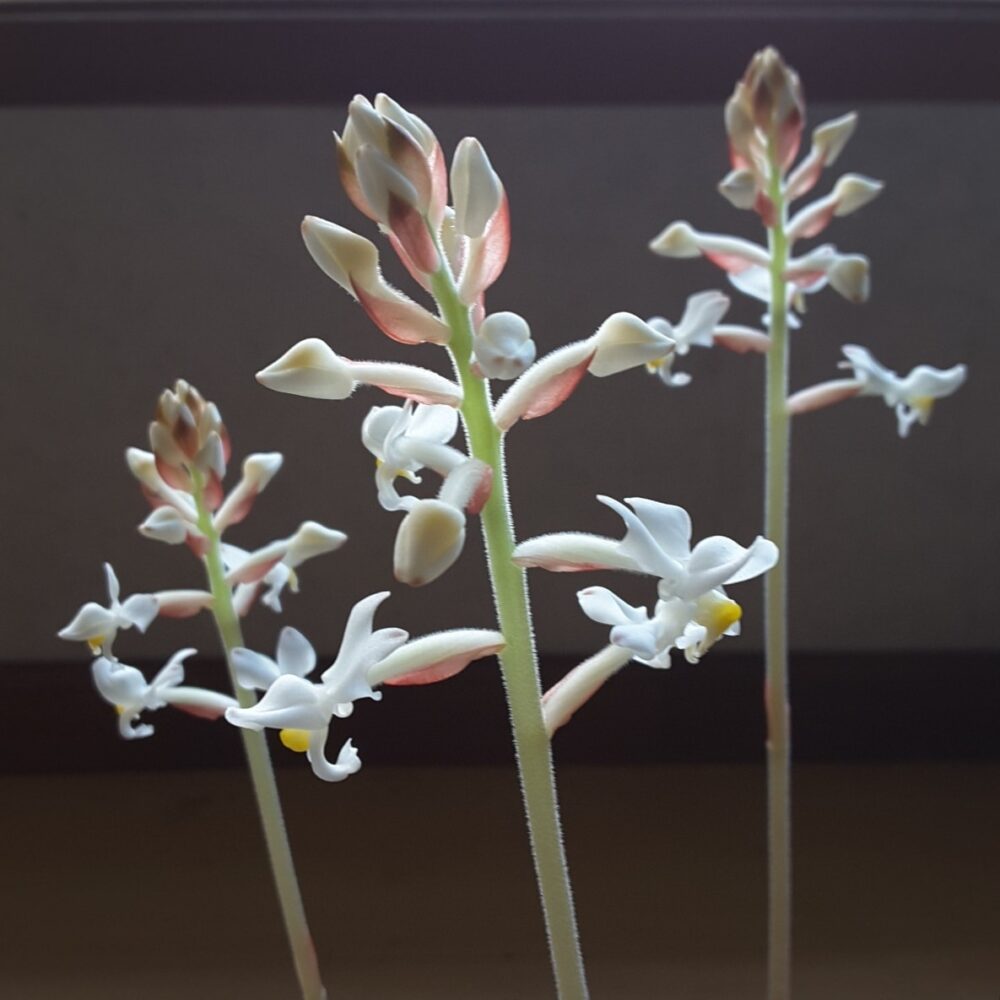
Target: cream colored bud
<point x="853" y="192"/>
<point x="849" y="275"/>
<point x="429" y="540"/>
<point x="830" y="138"/>
<point x="739" y="188"/>
<point x="677" y="240"/>
<point x="341" y="254"/>
<point x="310" y="368"/>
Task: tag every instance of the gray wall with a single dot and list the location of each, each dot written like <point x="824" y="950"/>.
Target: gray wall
<point x="141" y="244"/>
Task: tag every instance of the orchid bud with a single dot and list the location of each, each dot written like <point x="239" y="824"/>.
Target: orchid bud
<point x="429" y="540"/>
<point x="476" y="189"/>
<point x="739" y="187"/>
<point x="774" y="97"/>
<point x="187" y="434"/>
<point x="503" y="346"/>
<point x="850" y="277"/>
<point x="310" y="368"/>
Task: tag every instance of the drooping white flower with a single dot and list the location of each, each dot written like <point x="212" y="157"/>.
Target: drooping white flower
<point x="691" y="611"/>
<point x="126" y="688"/>
<point x="97" y="626"/>
<point x="911" y="396"/>
<point x="273" y="566"/>
<point x="303" y="710"/>
<point x="406" y="439"/>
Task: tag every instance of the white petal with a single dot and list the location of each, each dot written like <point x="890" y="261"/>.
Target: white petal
<point x="118" y="683"/>
<point x="360" y="648"/>
<point x="702" y="314"/>
<point x="290" y="703"/>
<point x="605" y="607"/>
<point x="718" y="560"/>
<point x="348" y="761"/>
<point x="140" y="610"/>
<point x="90" y="622"/>
<point x="669" y="525"/>
<point x="295" y="654"/>
<point x="934" y="383"/>
<point x="640" y="545"/>
<point x="254" y="670"/>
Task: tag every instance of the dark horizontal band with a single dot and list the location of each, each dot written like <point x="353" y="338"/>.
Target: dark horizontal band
<point x="525" y="52"/>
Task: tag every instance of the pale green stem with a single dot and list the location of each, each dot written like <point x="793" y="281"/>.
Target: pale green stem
<point x="518" y="662"/>
<point x="261" y="773"/>
<point x="777" y="448"/>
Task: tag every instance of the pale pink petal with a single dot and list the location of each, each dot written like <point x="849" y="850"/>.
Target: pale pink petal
<point x="564" y="698"/>
<point x="545" y="385"/>
<point x="741" y="339"/>
<point x="401" y="318"/>
<point x="572" y="552"/>
<point x="487" y="255"/>
<point x="433" y="658"/>
<point x="824" y="394"/>
<point x="182" y="603"/>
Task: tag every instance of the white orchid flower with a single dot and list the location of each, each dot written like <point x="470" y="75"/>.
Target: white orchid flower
<point x="911" y="396"/>
<point x="273" y="566"/>
<point x="126" y="688"/>
<point x="303" y="710"/>
<point x="692" y="611"/>
<point x="406" y="439"/>
<point x="700" y="327"/>
<point x="97" y="626"/>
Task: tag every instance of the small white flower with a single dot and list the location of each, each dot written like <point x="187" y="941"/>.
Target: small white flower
<point x="406" y="439"/>
<point x="692" y="610"/>
<point x="126" y="688"/>
<point x="97" y="626"/>
<point x="913" y="395"/>
<point x="302" y="710"/>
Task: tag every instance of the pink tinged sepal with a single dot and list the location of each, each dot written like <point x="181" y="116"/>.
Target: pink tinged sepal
<point x="311" y="368"/>
<point x="258" y="471"/>
<point x="545" y="385"/>
<point x="142" y="465"/>
<point x="436" y="657"/>
<point x="850" y="193"/>
<point x="353" y="262"/>
<point x="182" y="603"/>
<point x="486" y="256"/>
<point x="624" y="341"/>
<point x="429" y="541"/>
<point x="199" y="702"/>
<point x="571" y="552"/>
<point x="741" y="339"/>
<point x="468" y="485"/>
<point x="825" y="394"/>
<point x="727" y="252"/>
<point x="828" y="141"/>
<point x="568" y="695"/>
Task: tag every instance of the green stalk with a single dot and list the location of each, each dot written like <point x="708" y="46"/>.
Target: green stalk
<point x="518" y="661"/>
<point x="261" y="773"/>
<point x="779" y="748"/>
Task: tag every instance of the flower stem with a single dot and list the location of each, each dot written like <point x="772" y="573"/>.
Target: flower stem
<point x="261" y="773"/>
<point x="777" y="449"/>
<point x="518" y="661"/>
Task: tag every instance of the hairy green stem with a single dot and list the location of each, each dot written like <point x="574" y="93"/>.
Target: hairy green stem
<point x="518" y="661"/>
<point x="261" y="773"/>
<point x="779" y="748"/>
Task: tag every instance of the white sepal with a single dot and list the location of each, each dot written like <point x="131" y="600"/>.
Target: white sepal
<point x="435" y="657"/>
<point x="475" y="187"/>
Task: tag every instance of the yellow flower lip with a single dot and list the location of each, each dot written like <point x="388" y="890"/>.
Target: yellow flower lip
<point x="295" y="739"/>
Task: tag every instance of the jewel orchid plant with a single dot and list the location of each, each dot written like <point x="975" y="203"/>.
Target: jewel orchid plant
<point x="181" y="477"/>
<point x="764" y="120"/>
<point x="393" y="170"/>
